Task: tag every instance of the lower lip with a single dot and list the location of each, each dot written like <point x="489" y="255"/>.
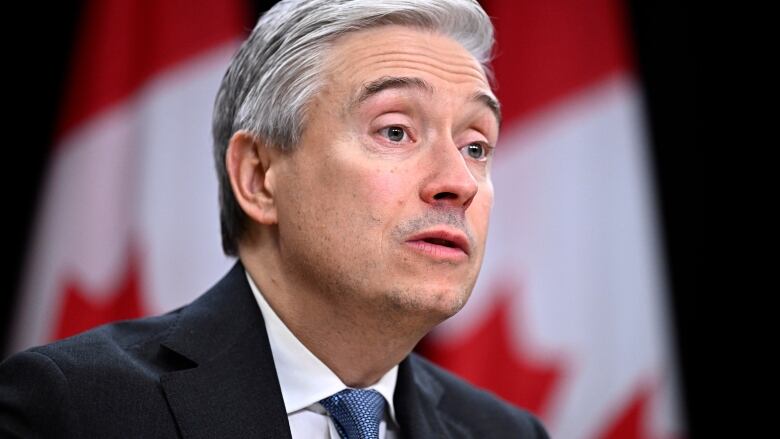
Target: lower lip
<point x="439" y="252"/>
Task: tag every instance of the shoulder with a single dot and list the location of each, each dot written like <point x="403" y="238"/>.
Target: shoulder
<point x="128" y="343"/>
<point x="105" y="380"/>
<point x="137" y="343"/>
<point x="476" y="409"/>
<point x="47" y="387"/>
<point x="33" y="392"/>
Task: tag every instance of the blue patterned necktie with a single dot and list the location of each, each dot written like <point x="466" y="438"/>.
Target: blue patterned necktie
<point x="356" y="412"/>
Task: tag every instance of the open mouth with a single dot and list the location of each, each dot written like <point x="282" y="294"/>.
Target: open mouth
<point x="439" y="241"/>
<point x="443" y="244"/>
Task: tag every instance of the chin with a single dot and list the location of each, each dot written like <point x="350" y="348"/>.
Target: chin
<point x="433" y="304"/>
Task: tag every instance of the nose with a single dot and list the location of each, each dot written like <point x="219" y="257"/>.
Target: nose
<point x="450" y="182"/>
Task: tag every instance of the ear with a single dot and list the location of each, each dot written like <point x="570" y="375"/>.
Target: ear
<point x="249" y="164"/>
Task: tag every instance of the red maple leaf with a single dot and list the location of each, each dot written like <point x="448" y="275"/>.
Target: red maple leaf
<point x="492" y="357"/>
<point x="80" y="311"/>
<point x="631" y="422"/>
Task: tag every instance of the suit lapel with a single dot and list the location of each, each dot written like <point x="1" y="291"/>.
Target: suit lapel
<point x="416" y="398"/>
<point x="226" y="385"/>
<point x="418" y="403"/>
<point x="232" y="390"/>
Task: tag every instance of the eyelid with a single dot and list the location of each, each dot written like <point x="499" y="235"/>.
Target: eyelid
<point x="408" y="135"/>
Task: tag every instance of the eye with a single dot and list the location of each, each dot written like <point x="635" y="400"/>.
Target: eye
<point x="394" y="133"/>
<point x="476" y="151"/>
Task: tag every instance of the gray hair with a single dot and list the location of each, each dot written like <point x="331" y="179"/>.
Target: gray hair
<point x="278" y="69"/>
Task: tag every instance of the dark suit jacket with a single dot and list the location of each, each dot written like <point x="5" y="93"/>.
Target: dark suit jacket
<point x="206" y="371"/>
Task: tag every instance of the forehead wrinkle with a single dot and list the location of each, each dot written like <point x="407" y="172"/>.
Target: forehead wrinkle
<point x="451" y="75"/>
<point x="468" y="73"/>
<point x="374" y="51"/>
<point x="457" y="65"/>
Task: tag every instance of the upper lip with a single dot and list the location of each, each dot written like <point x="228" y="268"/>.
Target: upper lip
<point x="452" y="237"/>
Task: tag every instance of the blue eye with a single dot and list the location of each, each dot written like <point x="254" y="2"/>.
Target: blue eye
<point x="476" y="151"/>
<point x="394" y="133"/>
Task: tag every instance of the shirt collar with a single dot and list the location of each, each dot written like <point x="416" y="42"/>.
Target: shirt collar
<point x="305" y="379"/>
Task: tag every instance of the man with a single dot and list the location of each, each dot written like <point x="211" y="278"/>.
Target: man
<point x="353" y="143"/>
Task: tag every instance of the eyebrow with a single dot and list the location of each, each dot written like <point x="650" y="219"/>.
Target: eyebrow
<point x="491" y="103"/>
<point x="402" y="82"/>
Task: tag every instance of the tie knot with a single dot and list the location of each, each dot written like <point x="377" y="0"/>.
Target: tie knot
<point x="356" y="412"/>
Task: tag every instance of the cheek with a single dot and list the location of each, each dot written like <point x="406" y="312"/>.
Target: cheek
<point x="389" y="186"/>
<point x="350" y="195"/>
<point x="387" y="193"/>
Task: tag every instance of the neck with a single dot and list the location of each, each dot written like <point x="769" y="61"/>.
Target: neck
<point x="358" y="340"/>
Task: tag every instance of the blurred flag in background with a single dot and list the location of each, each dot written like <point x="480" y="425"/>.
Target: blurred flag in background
<point x="569" y="317"/>
<point x="128" y="220"/>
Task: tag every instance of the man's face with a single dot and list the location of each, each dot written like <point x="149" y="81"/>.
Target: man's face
<point x="385" y="202"/>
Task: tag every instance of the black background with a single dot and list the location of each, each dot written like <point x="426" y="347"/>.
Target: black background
<point x="38" y="41"/>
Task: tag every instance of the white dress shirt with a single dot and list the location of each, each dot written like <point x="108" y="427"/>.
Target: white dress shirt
<point x="305" y="380"/>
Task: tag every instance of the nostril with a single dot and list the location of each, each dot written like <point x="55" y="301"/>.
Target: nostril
<point x="445" y="195"/>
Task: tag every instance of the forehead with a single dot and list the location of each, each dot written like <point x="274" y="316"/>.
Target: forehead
<point x="362" y="57"/>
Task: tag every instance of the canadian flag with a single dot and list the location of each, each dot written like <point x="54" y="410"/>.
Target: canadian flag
<point x="128" y="219"/>
<point x="569" y="317"/>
